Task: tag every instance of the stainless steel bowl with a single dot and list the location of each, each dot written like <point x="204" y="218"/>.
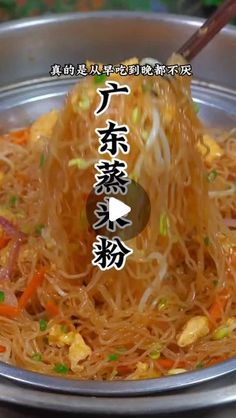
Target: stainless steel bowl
<point x="28" y="49"/>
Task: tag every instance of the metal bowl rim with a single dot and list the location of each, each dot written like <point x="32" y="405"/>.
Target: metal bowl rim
<point x="118" y="387"/>
<point x="65" y="17"/>
<point x="112" y="388"/>
<point x="177" y="402"/>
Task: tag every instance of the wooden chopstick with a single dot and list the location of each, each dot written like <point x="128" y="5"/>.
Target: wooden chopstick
<point x="208" y="30"/>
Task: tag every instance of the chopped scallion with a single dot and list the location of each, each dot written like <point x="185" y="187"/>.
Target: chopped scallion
<point x="38" y="229"/>
<point x="206" y="241"/>
<point x="43" y="324"/>
<point x="212" y="176"/>
<point x="164" y="225"/>
<point x="42" y="160"/>
<point x="135" y="116"/>
<point x="2" y="296"/>
<point x="112" y="357"/>
<point x="79" y="162"/>
<point x="162" y="304"/>
<point x="100" y="78"/>
<point x="84" y="103"/>
<point x="200" y="365"/>
<point x="61" y="368"/>
<point x="221" y="333"/>
<point x="64" y="328"/>
<point x="196" y="107"/>
<point x="154" y="355"/>
<point x="13" y="201"/>
<point x="37" y="357"/>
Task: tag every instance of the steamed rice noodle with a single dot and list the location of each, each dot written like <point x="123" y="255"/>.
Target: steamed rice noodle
<point x="173" y="306"/>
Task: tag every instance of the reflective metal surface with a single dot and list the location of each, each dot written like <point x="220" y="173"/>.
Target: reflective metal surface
<point x="196" y="398"/>
<point x="28" y="49"/>
<point x="118" y="388"/>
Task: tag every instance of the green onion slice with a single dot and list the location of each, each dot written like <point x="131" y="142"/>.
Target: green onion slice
<point x="42" y="160"/>
<point x="196" y="107"/>
<point x="13" y="201"/>
<point x="100" y="78"/>
<point x="164" y="225"/>
<point x="61" y="368"/>
<point x="39" y="229"/>
<point x="112" y="357"/>
<point x="43" y="324"/>
<point x="2" y="296"/>
<point x="36" y="357"/>
<point x="212" y="176"/>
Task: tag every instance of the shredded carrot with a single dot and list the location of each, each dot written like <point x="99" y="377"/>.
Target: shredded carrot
<point x="233" y="259"/>
<point x="217" y="360"/>
<point x="2" y="349"/>
<point x="8" y="310"/>
<point x="31" y="288"/>
<point x="166" y="363"/>
<point x="217" y="308"/>
<point x="20" y="136"/>
<point x="21" y="178"/>
<point x="124" y="369"/>
<point x="52" y="308"/>
<point x="4" y="241"/>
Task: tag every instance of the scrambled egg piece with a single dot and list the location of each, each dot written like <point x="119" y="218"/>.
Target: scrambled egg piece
<point x="78" y="349"/>
<point x="195" y="328"/>
<point x="43" y="126"/>
<point x="215" y="151"/>
<point x="142" y="372"/>
<point x="59" y="338"/>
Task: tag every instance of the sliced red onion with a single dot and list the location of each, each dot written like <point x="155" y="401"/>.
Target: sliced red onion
<point x="19" y="238"/>
<point x="11" y="229"/>
<point x="230" y="222"/>
<point x="13" y="256"/>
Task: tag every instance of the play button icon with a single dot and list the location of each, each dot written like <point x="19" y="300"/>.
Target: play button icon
<point x="117" y="209"/>
<point x="116" y="214"/>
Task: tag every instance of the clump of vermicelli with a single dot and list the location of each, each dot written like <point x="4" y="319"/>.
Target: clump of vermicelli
<point x="70" y="317"/>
